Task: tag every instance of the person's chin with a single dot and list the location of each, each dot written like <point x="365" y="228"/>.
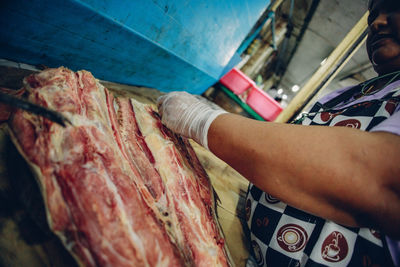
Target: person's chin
<point x="386" y="62"/>
<point x="382" y="69"/>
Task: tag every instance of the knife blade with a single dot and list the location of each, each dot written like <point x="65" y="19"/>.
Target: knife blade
<point x="34" y="108"/>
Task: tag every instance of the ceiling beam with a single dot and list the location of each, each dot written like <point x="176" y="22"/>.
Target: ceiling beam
<point x="327" y="72"/>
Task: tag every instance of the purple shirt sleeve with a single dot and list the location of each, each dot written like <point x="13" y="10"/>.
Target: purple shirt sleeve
<point x="394" y="248"/>
<point x="391" y="124"/>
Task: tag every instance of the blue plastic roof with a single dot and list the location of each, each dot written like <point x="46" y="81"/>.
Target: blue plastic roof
<point x="168" y="45"/>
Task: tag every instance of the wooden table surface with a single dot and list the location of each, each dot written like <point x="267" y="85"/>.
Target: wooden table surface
<point x="24" y="237"/>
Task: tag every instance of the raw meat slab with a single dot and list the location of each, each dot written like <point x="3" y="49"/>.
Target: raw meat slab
<point x="120" y="189"/>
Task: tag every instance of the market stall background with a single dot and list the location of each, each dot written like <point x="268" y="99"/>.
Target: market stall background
<point x="274" y="59"/>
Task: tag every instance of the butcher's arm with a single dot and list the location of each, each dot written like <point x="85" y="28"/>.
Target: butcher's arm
<point x="342" y="174"/>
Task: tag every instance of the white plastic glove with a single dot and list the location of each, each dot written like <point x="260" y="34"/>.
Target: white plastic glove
<point x="188" y="115"/>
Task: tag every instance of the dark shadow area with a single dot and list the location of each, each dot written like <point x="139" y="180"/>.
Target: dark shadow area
<point x="22" y="202"/>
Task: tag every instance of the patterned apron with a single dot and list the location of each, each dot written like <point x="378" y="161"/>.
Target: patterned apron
<point x="284" y="236"/>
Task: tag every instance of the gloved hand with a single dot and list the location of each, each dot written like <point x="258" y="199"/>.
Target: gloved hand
<point x="188" y="115"/>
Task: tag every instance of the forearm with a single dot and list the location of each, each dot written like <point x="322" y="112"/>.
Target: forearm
<point x="327" y="171"/>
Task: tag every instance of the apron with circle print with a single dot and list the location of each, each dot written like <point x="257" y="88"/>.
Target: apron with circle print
<point x="284" y="236"/>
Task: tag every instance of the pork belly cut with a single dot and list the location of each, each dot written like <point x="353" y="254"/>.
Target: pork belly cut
<point x="120" y="189"/>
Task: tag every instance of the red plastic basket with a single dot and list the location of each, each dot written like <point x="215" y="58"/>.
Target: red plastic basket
<point x="263" y="104"/>
<point x="237" y="81"/>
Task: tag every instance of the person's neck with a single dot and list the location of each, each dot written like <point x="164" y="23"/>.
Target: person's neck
<point x="385" y="80"/>
<point x="379" y="84"/>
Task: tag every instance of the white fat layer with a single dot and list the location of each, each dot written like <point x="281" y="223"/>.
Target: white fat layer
<point x="55" y="196"/>
<point x="203" y="241"/>
<point x="161" y="260"/>
<point x="160" y="149"/>
<point x="80" y="79"/>
<point x="115" y="104"/>
<point x="137" y="242"/>
<point x="110" y="248"/>
<point x="146" y="125"/>
<point x="58" y="154"/>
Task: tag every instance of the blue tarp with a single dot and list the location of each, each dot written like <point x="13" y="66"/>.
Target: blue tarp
<point x="168" y="45"/>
